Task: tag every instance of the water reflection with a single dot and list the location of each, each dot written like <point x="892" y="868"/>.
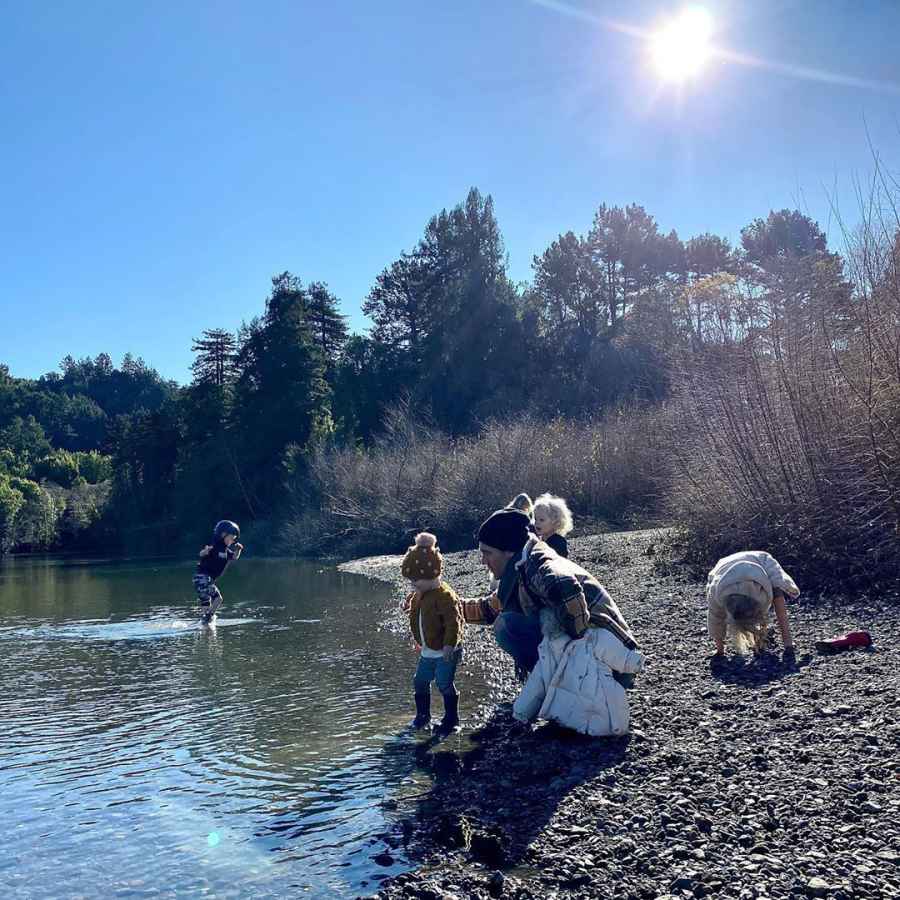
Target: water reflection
<point x="141" y="752"/>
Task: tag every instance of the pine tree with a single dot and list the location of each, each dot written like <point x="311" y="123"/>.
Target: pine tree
<point x="216" y="353"/>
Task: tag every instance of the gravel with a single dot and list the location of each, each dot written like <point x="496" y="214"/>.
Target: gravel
<point x="754" y="778"/>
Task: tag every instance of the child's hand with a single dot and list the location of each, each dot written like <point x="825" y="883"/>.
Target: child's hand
<point x="237" y="549"/>
<point x="406" y="602"/>
<point x="494" y="602"/>
<point x="205" y="550"/>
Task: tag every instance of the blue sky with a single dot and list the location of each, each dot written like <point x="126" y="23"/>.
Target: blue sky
<point x="161" y="160"/>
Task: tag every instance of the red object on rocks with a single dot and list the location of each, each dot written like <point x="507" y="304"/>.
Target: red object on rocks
<point x="845" y="642"/>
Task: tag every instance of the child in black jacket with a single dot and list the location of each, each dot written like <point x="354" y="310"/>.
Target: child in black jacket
<point x="213" y="560"/>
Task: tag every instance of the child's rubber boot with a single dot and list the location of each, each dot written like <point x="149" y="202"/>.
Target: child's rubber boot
<point x="845" y="642"/>
<point x="450" y="722"/>
<point x="423" y="711"/>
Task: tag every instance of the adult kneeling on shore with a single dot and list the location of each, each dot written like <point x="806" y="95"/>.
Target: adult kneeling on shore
<point x="534" y="577"/>
<point x="558" y="623"/>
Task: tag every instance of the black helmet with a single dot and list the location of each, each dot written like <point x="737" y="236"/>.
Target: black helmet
<point x="226" y="527"/>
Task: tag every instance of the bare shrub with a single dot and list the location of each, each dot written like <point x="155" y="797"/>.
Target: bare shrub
<point x="417" y="478"/>
<point x="788" y="438"/>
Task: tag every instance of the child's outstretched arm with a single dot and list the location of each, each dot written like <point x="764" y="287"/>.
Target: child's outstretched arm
<point x="781" y="614"/>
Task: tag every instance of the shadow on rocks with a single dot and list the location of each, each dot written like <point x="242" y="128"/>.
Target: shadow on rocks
<point x="756" y="670"/>
<point x="489" y="803"/>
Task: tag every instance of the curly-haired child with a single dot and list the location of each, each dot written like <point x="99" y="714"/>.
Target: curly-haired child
<point x="552" y="522"/>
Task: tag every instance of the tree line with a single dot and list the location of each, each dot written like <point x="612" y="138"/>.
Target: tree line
<point x="623" y="314"/>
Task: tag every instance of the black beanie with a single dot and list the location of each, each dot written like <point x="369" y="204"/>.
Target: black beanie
<point x="506" y="529"/>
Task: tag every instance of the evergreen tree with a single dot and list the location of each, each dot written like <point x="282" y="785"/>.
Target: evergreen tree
<point x="450" y="315"/>
<point x="281" y="395"/>
<point x="214" y="363"/>
<point x="327" y="326"/>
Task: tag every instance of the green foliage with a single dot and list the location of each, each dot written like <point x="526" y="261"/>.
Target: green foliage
<point x="11" y="501"/>
<point x="25" y="441"/>
<point x="94" y="467"/>
<point x="298" y="426"/>
<point x="61" y="467"/>
<point x="448" y="317"/>
<point x="282" y="396"/>
<point x="784" y="233"/>
<point x="34" y="525"/>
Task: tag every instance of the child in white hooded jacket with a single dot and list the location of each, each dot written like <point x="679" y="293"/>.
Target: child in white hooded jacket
<point x="573" y="682"/>
<point x="740" y="590"/>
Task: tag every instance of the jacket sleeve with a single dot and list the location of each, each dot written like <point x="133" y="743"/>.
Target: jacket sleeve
<point x="479" y="612"/>
<point x="779" y="578"/>
<point x="617" y="656"/>
<point x="451" y="612"/>
<point x="414" y="619"/>
<point x="562" y="592"/>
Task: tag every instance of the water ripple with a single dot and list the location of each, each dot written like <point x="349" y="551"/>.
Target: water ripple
<point x="146" y="754"/>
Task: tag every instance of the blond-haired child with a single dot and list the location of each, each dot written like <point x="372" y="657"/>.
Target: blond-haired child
<point x="552" y="522"/>
<point x="740" y="590"/>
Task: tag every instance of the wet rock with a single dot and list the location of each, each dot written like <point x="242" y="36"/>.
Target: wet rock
<point x="384" y="859"/>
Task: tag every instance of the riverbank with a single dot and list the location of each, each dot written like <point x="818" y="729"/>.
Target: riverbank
<point x="759" y="779"/>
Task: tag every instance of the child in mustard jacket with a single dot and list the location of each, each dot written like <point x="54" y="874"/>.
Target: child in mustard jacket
<point x="436" y="622"/>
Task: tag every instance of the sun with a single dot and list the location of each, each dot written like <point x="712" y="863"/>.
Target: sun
<point x="681" y="47"/>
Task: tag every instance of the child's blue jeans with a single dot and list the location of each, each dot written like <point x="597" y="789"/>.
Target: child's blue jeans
<point x="439" y="671"/>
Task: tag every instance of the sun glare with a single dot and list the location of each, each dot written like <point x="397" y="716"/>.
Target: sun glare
<point x="681" y="47"/>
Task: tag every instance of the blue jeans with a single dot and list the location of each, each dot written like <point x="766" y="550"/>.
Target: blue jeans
<point x="519" y="635"/>
<point x="443" y="673"/>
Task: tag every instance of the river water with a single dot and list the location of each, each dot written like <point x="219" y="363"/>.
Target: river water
<point x="142" y="754"/>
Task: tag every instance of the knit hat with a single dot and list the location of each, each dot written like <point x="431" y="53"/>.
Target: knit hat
<point x="506" y="529"/>
<point x="423" y="561"/>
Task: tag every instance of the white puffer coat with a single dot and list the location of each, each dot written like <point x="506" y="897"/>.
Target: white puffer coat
<point x="573" y="683"/>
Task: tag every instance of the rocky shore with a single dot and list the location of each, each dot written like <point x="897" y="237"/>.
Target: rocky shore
<point x="759" y="778"/>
